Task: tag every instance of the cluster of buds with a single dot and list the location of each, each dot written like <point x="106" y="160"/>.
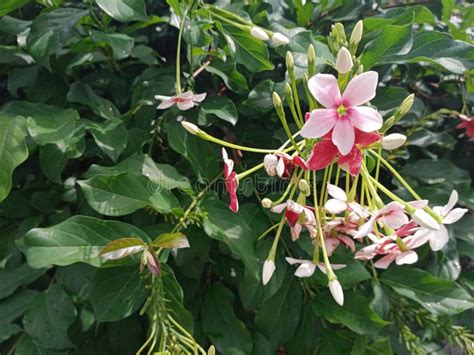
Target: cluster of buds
<point x="333" y="193"/>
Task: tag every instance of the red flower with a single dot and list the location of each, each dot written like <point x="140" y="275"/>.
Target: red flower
<point x="467" y="123"/>
<point x="231" y="181"/>
<point x="282" y="164"/>
<point x="325" y="152"/>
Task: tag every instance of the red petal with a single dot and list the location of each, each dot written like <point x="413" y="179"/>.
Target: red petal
<point x="297" y="160"/>
<point x="291" y="217"/>
<point x="351" y="162"/>
<point x="231" y="184"/>
<point x="366" y="139"/>
<point x="322" y="155"/>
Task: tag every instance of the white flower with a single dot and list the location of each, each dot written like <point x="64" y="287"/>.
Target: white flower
<point x="268" y="270"/>
<point x="184" y="101"/>
<point x="259" y="33"/>
<point x="438" y="239"/>
<point x="339" y="203"/>
<point x="393" y="141"/>
<point x="307" y="267"/>
<point x="344" y="61"/>
<point x="336" y="291"/>
<point x="280" y="39"/>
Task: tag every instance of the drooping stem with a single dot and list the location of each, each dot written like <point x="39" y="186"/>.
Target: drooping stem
<point x="178" y="53"/>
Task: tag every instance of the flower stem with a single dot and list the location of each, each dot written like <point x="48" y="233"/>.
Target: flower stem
<point x="178" y="52"/>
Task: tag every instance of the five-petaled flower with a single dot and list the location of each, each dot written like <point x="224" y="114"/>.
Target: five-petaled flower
<point x="342" y="113"/>
<point x="184" y="101"/>
<point x="297" y="216"/>
<point x="231" y="181"/>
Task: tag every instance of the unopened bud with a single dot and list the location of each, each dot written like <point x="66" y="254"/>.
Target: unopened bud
<point x="425" y="220"/>
<point x="190" y="127"/>
<point x="393" y="141"/>
<point x="303" y="186"/>
<point x="311" y="55"/>
<point x="344" y="61"/>
<point x="289" y="93"/>
<point x="336" y="291"/>
<point x="267" y="203"/>
<point x="211" y="350"/>
<point x="356" y="34"/>
<point x="406" y="105"/>
<point x="276" y="100"/>
<point x="268" y="270"/>
<point x="259" y="33"/>
<point x="280" y="39"/>
<point x="290" y="63"/>
<point x="338" y="32"/>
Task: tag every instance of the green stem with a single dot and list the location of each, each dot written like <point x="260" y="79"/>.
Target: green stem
<point x="178" y="53"/>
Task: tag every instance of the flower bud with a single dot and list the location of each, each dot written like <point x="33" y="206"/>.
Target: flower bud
<point x="356" y="34"/>
<point x="336" y="291"/>
<point x="211" y="350"/>
<point x="270" y="162"/>
<point x="344" y="61"/>
<point x="406" y="105"/>
<point x="338" y="32"/>
<point x="290" y="63"/>
<point x="425" y="220"/>
<point x="267" y="203"/>
<point x="268" y="270"/>
<point x="280" y="39"/>
<point x="304" y="186"/>
<point x="190" y="127"/>
<point x="276" y="100"/>
<point x="259" y="33"/>
<point x="311" y="55"/>
<point x="393" y="141"/>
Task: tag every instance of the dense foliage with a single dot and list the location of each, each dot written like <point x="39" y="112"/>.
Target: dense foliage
<point x="116" y="234"/>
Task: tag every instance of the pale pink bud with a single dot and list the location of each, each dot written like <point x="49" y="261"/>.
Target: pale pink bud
<point x="268" y="270"/>
<point x="425" y="220"/>
<point x="259" y="33"/>
<point x="393" y="141"/>
<point x="344" y="61"/>
<point x="280" y="39"/>
<point x="336" y="291"/>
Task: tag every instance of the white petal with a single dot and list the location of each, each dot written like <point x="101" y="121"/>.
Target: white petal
<point x="407" y="257"/>
<point x="336" y="291"/>
<point x="425" y="220"/>
<point x="438" y="239"/>
<point x="453" y="199"/>
<point x="365" y="228"/>
<point x="268" y="270"/>
<point x="418" y="203"/>
<point x="335" y="206"/>
<point x="199" y="97"/>
<point x="280" y="168"/>
<point x="454" y="215"/>
<point x="293" y="261"/>
<point x="279" y="208"/>
<point x="305" y="270"/>
<point x="337" y="192"/>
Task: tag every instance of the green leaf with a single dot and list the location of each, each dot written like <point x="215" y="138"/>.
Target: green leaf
<point x="231" y="229"/>
<point x="171" y="240"/>
<point x="13" y="150"/>
<point x="110" y="136"/>
<point x="83" y="94"/>
<point x="436" y="172"/>
<point x="9" y="5"/>
<point x="120" y="248"/>
<point x="441" y="297"/>
<point x="117" y="293"/>
<point x="78" y="239"/>
<point x="260" y="98"/>
<point x="228" y="73"/>
<point x="121" y="194"/>
<point x="222" y="107"/>
<point x="48" y="322"/>
<point x="124" y="10"/>
<point x="11" y="309"/>
<point x="28" y="346"/>
<point x="197" y="151"/>
<point x="121" y="44"/>
<point x="355" y="314"/>
<point x="11" y="279"/>
<point x="250" y="52"/>
<point x="227" y="333"/>
<point x="51" y="31"/>
<point x="390" y="42"/>
<point x="46" y="124"/>
<point x="279" y="316"/>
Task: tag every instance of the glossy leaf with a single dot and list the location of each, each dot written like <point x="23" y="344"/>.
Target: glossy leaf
<point x="171" y="240"/>
<point x="121" y="248"/>
<point x="124" y="10"/>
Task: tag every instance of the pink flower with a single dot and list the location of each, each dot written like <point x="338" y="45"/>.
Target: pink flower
<point x="231" y="181"/>
<point x="297" y="217"/>
<point x="392" y="215"/>
<point x="342" y="113"/>
<point x="184" y="101"/>
<point x="282" y="164"/>
<point x="467" y="122"/>
<point x="325" y="152"/>
<point x="307" y="267"/>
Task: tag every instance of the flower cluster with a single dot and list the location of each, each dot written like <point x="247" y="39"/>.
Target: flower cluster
<point x="332" y="165"/>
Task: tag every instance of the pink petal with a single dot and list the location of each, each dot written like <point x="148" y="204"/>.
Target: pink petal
<point x="351" y="162"/>
<point x="185" y="105"/>
<point x="343" y="136"/>
<point x="166" y="104"/>
<point x="331" y="245"/>
<point x="385" y="262"/>
<point x="407" y="257"/>
<point x="365" y="139"/>
<point x="295" y="231"/>
<point x="320" y="122"/>
<point x="305" y="270"/>
<point x="232" y="184"/>
<point x="418" y="239"/>
<point x="348" y="242"/>
<point x="293" y="261"/>
<point x="365" y="118"/>
<point x="360" y="89"/>
<point x="199" y="97"/>
<point x="325" y="90"/>
<point x="395" y="219"/>
<point x="322" y="155"/>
